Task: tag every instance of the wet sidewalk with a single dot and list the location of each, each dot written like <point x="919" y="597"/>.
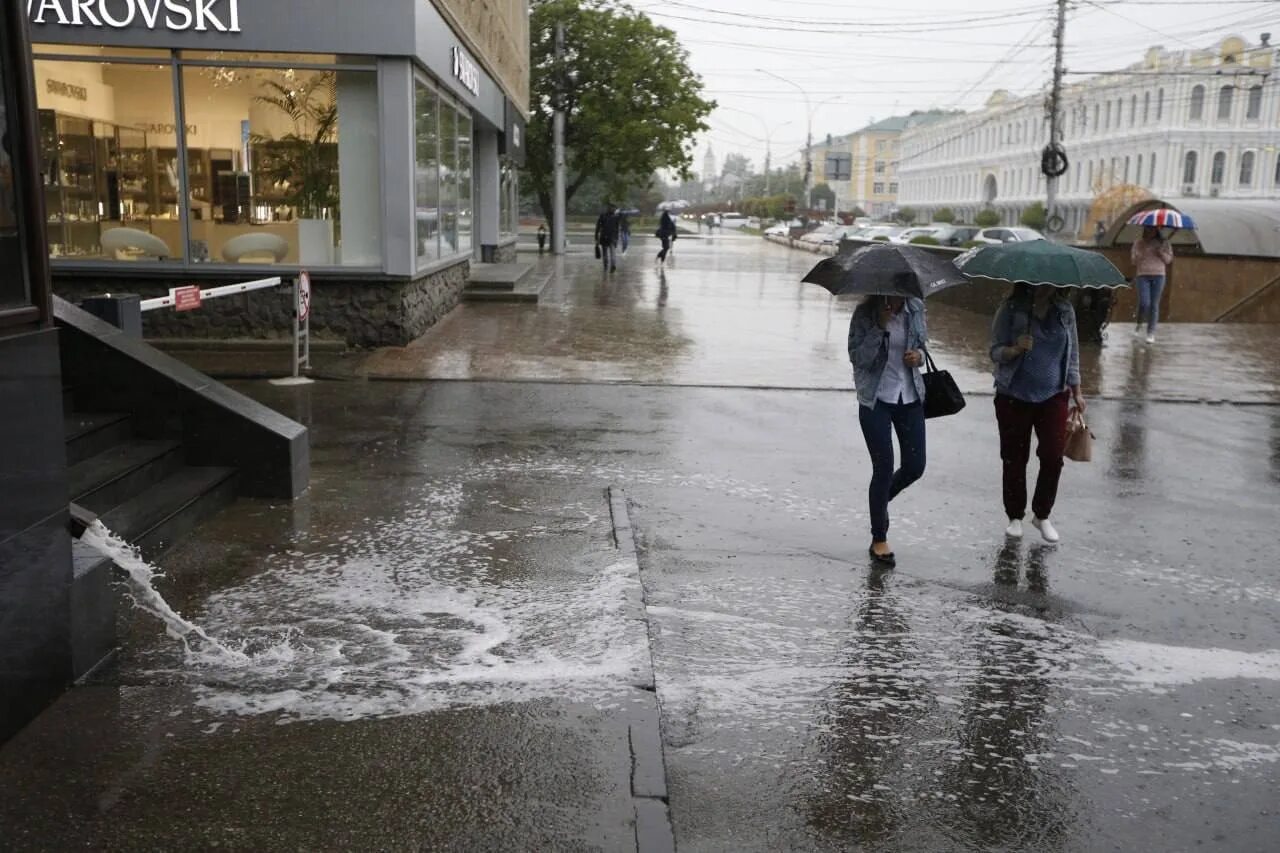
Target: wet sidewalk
<point x="730" y="311"/>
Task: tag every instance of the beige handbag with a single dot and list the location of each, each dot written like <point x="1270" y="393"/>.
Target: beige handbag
<point x="1079" y="438"/>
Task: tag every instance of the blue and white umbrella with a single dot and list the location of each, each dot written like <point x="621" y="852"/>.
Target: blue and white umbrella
<point x="1163" y="217"/>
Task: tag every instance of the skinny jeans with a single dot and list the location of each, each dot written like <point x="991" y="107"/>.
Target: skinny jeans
<point x="879" y="423"/>
<point x="1150" y="289"/>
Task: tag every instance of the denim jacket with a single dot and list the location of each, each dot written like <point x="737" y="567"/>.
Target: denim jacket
<point x="1013" y="320"/>
<point x="869" y="347"/>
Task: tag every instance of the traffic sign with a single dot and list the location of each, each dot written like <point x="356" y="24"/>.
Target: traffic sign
<point x="186" y="298"/>
<point x="304" y="296"/>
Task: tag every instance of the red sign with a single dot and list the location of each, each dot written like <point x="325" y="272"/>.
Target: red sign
<point x="186" y="298"/>
<point x="304" y="296"/>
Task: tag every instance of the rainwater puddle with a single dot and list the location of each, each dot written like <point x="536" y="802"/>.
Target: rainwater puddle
<point x="407" y="615"/>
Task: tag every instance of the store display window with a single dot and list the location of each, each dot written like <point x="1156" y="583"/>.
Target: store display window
<point x="443" y="175"/>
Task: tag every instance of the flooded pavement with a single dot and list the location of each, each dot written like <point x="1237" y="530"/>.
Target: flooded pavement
<point x="731" y="311"/>
<point x="444" y="648"/>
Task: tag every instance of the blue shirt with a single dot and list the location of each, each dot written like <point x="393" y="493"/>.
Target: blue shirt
<point x="896" y="384"/>
<point x="1040" y="375"/>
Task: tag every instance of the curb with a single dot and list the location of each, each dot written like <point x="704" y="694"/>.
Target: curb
<point x="654" y="832"/>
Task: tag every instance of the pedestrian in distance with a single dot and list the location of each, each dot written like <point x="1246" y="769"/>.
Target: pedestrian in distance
<point x="624" y="232"/>
<point x="542" y="237"/>
<point x="1099" y="232"/>
<point x="887" y="338"/>
<point x="607" y="237"/>
<point x="666" y="233"/>
<point x="1151" y="256"/>
<point x="1036" y="351"/>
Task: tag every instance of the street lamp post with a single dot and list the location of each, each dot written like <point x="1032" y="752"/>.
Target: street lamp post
<point x="768" y="141"/>
<point x="810" y="109"/>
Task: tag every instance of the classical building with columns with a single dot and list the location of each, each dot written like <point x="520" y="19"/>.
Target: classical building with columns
<point x="1178" y="124"/>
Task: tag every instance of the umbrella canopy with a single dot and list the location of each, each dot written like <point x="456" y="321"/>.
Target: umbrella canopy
<point x="1163" y="217"/>
<point x="678" y="204"/>
<point x="1040" y="262"/>
<point x="886" y="269"/>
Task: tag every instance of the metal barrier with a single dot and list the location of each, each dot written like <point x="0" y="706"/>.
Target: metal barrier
<point x="192" y="297"/>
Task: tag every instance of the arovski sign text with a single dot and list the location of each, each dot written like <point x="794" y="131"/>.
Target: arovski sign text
<point x="222" y="16"/>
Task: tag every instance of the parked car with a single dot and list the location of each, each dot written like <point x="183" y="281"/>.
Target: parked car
<point x="871" y="232"/>
<point x="954" y="235"/>
<point x="907" y="235"/>
<point x="732" y="220"/>
<point x="779" y="230"/>
<point x="819" y="234"/>
<point x="1007" y="235"/>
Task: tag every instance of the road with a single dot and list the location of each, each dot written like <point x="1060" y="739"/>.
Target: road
<point x="450" y="651"/>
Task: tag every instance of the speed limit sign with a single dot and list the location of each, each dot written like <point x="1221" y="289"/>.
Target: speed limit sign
<point x="304" y="296"/>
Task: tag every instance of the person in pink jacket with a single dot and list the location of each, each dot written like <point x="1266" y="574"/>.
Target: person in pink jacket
<point x="1151" y="256"/>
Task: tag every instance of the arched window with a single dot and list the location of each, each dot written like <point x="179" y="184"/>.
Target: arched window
<point x="1219" y="170"/>
<point x="1197" y="103"/>
<point x="1254" y="110"/>
<point x="1159" y="105"/>
<point x="1246" y="169"/>
<point x="1189" y="165"/>
<point x="1224" y="102"/>
<point x="1146" y="107"/>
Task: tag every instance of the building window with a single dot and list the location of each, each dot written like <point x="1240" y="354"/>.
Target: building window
<point x="1276" y="178"/>
<point x="1225" y="96"/>
<point x="426" y="172"/>
<point x="1137" y="171"/>
<point x="1106" y="123"/>
<point x="276" y="162"/>
<point x="1189" y="164"/>
<point x="1197" y="103"/>
<point x="877" y="188"/>
<point x="1146" y="107"/>
<point x="1133" y="110"/>
<point x="893" y="187"/>
<point x="509" y="198"/>
<point x="1246" y="169"/>
<point x="1254" y="109"/>
<point x="1151" y="181"/>
<point x="1219" y="169"/>
<point x="880" y="167"/>
<point x="1126" y="168"/>
<point x="1159" y="104"/>
<point x="1096" y="126"/>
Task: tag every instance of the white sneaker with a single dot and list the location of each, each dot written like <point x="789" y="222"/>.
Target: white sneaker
<point x="1137" y="331"/>
<point x="1046" y="528"/>
<point x="1014" y="530"/>
<point x="1151" y="339"/>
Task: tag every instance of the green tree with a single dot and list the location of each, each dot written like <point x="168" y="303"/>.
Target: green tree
<point x="905" y="215"/>
<point x="987" y="218"/>
<point x="857" y="212"/>
<point x="736" y="165"/>
<point x="820" y="193"/>
<point x="1034" y="216"/>
<point x="945" y="214"/>
<point x="630" y="99"/>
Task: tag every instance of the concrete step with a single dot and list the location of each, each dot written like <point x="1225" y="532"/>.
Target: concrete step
<point x="168" y="510"/>
<point x="89" y="434"/>
<point x="118" y="473"/>
<point x="93" y="622"/>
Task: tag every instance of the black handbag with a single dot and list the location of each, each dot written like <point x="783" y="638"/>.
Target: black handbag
<point x="597" y="251"/>
<point x="941" y="394"/>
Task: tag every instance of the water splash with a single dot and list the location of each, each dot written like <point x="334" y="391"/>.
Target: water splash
<point x="147" y="598"/>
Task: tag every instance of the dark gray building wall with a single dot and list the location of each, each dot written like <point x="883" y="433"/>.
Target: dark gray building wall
<point x="35" y="547"/>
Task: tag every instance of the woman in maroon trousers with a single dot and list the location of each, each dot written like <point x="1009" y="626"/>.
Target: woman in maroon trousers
<point x="1036" y="351"/>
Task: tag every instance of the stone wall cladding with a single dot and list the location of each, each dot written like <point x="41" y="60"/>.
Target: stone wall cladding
<point x="362" y="313"/>
<point x="505" y="254"/>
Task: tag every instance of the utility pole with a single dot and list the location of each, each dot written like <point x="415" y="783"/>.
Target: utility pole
<point x="1055" y="107"/>
<point x="558" y="235"/>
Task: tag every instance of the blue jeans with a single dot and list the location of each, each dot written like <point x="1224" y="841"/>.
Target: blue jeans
<point x="609" y="255"/>
<point x="878" y="425"/>
<point x="1150" y="288"/>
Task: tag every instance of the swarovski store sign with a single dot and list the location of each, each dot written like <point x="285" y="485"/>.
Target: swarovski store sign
<point x="177" y="16"/>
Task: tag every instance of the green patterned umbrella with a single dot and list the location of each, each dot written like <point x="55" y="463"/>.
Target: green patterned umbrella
<point x="1040" y="262"/>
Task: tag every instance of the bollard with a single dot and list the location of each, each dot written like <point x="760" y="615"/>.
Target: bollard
<point x="122" y="310"/>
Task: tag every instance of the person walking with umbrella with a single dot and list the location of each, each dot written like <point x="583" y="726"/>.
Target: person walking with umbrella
<point x="667" y="234"/>
<point x="1151" y="256"/>
<point x="607" y="229"/>
<point x="887" y="337"/>
<point x="1036" y="351"/>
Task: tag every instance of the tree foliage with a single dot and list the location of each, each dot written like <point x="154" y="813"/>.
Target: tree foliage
<point x="737" y="165"/>
<point x="905" y="215"/>
<point x="632" y="104"/>
<point x="945" y="214"/>
<point x="1034" y="216"/>
<point x="821" y="193"/>
<point x="988" y="218"/>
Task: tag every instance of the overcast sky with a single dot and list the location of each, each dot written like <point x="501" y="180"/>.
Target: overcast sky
<point x="864" y="60"/>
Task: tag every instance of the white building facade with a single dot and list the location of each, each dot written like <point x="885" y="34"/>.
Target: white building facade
<point x="1191" y="124"/>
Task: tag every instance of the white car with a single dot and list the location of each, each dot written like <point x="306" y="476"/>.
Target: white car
<point x="819" y="234"/>
<point x="910" y="233"/>
<point x="779" y="230"/>
<point x="1002" y="234"/>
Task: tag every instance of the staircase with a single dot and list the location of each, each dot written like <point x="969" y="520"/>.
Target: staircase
<point x="140" y="488"/>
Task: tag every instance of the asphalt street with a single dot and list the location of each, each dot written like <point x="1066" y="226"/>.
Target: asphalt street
<point x="447" y="648"/>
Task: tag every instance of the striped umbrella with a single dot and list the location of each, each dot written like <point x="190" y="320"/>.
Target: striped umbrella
<point x="1163" y="217"/>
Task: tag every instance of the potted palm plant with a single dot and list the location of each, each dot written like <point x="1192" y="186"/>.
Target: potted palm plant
<point x="302" y="162"/>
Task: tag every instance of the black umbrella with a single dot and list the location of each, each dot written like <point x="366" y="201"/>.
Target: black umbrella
<point x="886" y="269"/>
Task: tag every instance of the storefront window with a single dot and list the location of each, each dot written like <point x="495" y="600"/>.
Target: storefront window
<point x="464" y="182"/>
<point x="426" y="171"/>
<point x="109" y="161"/>
<point x="448" y="180"/>
<point x="507" y="198"/>
<point x="13" y="274"/>
<point x="283" y="165"/>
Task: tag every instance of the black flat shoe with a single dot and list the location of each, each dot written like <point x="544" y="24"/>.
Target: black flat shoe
<point x="882" y="559"/>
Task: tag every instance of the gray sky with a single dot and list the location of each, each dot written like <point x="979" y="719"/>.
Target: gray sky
<point x="864" y="60"/>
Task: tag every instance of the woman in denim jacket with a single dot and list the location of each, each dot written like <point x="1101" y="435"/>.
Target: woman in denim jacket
<point x="887" y="336"/>
<point x="1036" y="351"/>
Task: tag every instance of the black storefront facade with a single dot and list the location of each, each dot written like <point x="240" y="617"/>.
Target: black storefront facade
<point x="211" y="141"/>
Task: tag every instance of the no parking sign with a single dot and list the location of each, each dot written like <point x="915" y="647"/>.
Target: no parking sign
<point x="304" y="296"/>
